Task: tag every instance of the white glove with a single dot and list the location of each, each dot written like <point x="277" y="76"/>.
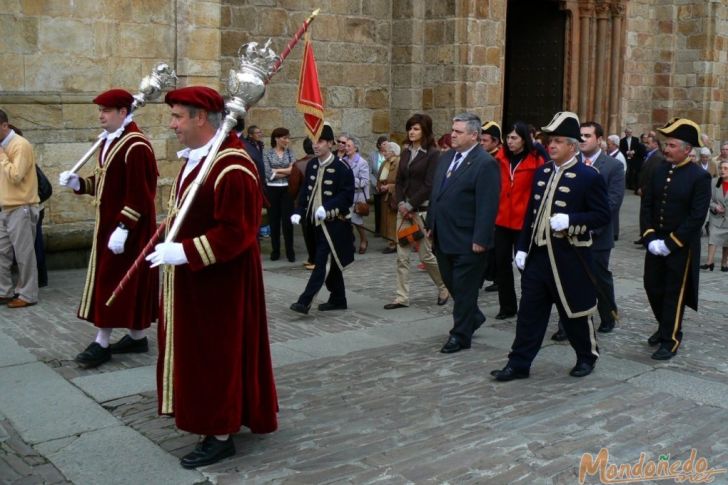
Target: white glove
<point x="295" y="219"/>
<point x="520" y="259"/>
<point x="70" y="180"/>
<point x="321" y="213"/>
<point x="662" y="248"/>
<point x="117" y="240"/>
<point x="559" y="222"/>
<point x="654" y="247"/>
<point x="167" y="253"/>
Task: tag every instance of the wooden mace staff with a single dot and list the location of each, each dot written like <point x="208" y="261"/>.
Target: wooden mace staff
<point x="247" y="86"/>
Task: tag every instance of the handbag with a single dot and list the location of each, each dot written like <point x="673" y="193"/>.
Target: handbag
<point x="409" y="235"/>
<point x="361" y="208"/>
<point x="45" y="189"/>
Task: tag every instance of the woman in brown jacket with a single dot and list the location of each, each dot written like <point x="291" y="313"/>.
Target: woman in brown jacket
<point x="414" y="184"/>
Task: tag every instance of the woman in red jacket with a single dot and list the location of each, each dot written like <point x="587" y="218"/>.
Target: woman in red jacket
<point x="518" y="161"/>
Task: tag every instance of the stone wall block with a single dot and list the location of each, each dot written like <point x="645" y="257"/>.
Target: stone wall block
<point x="53" y="36"/>
<point x="63" y="73"/>
<point x="404" y="32"/>
<point x="273" y="23"/>
<point x="244" y="18"/>
<point x="445" y="95"/>
<point x="20" y="34"/>
<point x="327" y="28"/>
<point x="380" y="121"/>
<point x="377" y="98"/>
<point x="203" y="44"/>
<point x="377" y="9"/>
<point x="79" y="115"/>
<point x="10" y="7"/>
<point x="338" y="97"/>
<point x="51" y="8"/>
<point x="440" y="9"/>
<point x="230" y="42"/>
<point x="345" y="7"/>
<point x="203" y="14"/>
<point x="198" y="69"/>
<point x="12" y="74"/>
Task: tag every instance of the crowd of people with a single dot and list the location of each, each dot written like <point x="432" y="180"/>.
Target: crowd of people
<point x="472" y="204"/>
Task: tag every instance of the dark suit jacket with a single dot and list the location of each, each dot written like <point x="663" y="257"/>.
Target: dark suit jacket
<point x="648" y="168"/>
<point x="414" y="177"/>
<point x="612" y="171"/>
<point x="639" y="150"/>
<point x="463" y="211"/>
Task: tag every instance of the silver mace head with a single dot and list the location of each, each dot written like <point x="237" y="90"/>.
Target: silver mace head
<point x="152" y="86"/>
<point x="247" y="85"/>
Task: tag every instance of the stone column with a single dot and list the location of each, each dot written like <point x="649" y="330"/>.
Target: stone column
<point x="616" y="72"/>
<point x="601" y="69"/>
<point x="586" y="11"/>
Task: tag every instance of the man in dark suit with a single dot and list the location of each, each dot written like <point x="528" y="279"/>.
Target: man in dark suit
<point x="568" y="202"/>
<point x="603" y="237"/>
<point x="634" y="152"/>
<point x="324" y="200"/>
<point x="673" y="209"/>
<point x="461" y="220"/>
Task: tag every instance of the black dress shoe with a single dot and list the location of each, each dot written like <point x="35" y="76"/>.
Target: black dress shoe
<point x="663" y="353"/>
<point x="394" y="306"/>
<point x="453" y="345"/>
<point x="442" y="301"/>
<point x="128" y="345"/>
<point x="275" y="256"/>
<point x="606" y="327"/>
<point x="93" y="356"/>
<point x="654" y="339"/>
<point x="639" y="241"/>
<point x="300" y="308"/>
<point x="508" y="373"/>
<point x="559" y="336"/>
<point x="324" y="307"/>
<point x="491" y="288"/>
<point x="505" y="315"/>
<point x="581" y="369"/>
<point x="291" y="259"/>
<point x="208" y="451"/>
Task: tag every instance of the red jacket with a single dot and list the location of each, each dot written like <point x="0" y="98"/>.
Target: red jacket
<point x="515" y="188"/>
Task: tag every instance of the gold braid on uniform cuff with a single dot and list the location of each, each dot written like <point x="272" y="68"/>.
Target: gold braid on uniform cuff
<point x="676" y="240"/>
<point x="130" y="213"/>
<point x="205" y="250"/>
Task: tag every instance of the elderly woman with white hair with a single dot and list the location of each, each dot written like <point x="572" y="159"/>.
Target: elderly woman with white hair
<point x="613" y="150"/>
<point x="707" y="163"/>
<point x="360" y="168"/>
<point x="386" y="184"/>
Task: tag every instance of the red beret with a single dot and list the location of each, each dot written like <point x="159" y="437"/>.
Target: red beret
<point x="115" y="98"/>
<point x="198" y="96"/>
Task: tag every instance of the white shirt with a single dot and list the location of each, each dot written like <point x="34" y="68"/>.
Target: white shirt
<point x="193" y="156"/>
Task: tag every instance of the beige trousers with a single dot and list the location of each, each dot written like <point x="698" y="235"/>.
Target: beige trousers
<point x="17" y="237"/>
<point x="403" y="262"/>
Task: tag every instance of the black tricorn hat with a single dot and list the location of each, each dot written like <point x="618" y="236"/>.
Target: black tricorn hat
<point x="564" y="123"/>
<point x="683" y="129"/>
<point x="327" y="133"/>
<point x="491" y="128"/>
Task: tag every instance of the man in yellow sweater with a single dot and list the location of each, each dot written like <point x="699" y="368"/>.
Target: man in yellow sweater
<point x="19" y="201"/>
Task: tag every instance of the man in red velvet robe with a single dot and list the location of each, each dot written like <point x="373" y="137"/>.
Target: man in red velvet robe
<point x="214" y="372"/>
<point x="123" y="186"/>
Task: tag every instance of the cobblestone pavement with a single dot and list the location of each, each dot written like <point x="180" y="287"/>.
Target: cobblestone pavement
<point x="365" y="396"/>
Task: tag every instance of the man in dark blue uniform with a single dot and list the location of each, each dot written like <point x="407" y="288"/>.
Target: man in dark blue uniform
<point x="674" y="205"/>
<point x="568" y="201"/>
<point x="326" y="196"/>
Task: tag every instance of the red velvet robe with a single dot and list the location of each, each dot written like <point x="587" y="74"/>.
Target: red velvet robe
<point x="214" y="372"/>
<point x="123" y="189"/>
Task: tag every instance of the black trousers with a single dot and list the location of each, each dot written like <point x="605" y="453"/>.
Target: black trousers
<point x="279" y="214"/>
<point x="326" y="272"/>
<point x="309" y="238"/>
<point x="40" y="251"/>
<point x="538" y="295"/>
<point x="462" y="274"/>
<point x="605" y="292"/>
<point x="505" y="243"/>
<point x="665" y="284"/>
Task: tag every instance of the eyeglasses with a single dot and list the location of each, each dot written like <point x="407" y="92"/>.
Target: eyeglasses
<point x="342" y="141"/>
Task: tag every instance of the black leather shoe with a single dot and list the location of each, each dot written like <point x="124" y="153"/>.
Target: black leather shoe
<point x="394" y="306"/>
<point x="491" y="288"/>
<point x="505" y="315"/>
<point x="93" y="356"/>
<point x="324" y="307"/>
<point x="559" y="336"/>
<point x="581" y="369"/>
<point x="606" y="327"/>
<point x="453" y="345"/>
<point x="639" y="241"/>
<point x="442" y="301"/>
<point x="208" y="451"/>
<point x="300" y="308"/>
<point x="663" y="353"/>
<point x="128" y="345"/>
<point x="508" y="373"/>
<point x="275" y="256"/>
<point x="654" y="339"/>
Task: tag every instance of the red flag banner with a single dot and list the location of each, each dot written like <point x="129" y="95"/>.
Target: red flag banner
<point x="310" y="102"/>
